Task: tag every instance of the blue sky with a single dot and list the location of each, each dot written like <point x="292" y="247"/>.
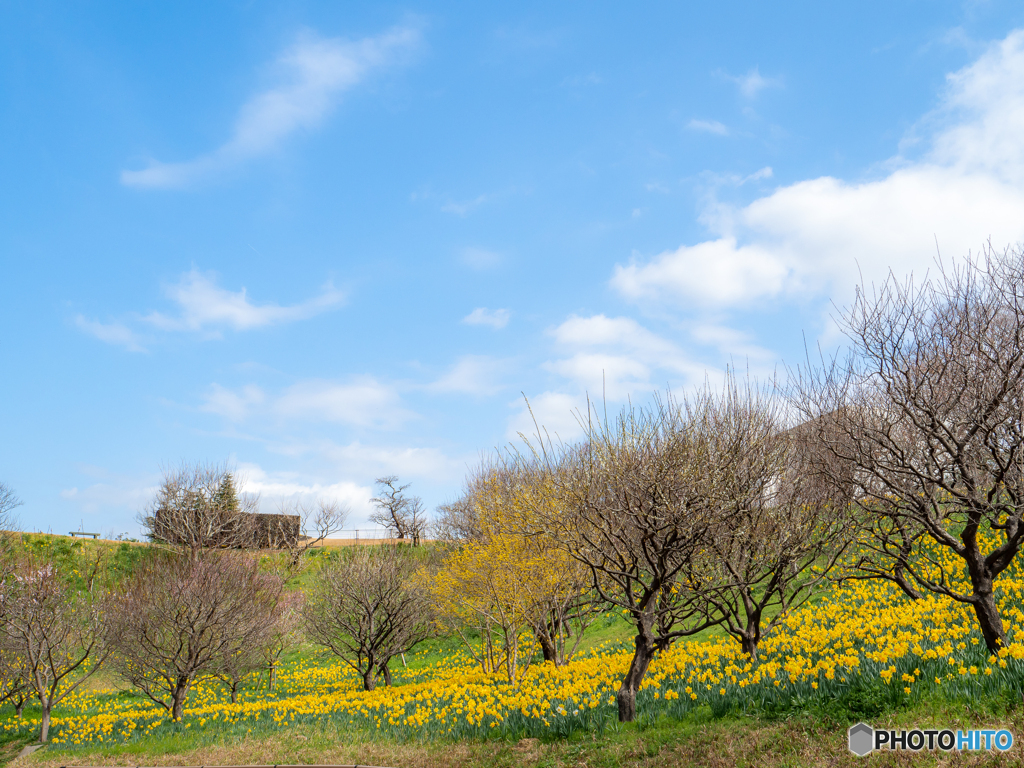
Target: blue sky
<point x="330" y="241"/>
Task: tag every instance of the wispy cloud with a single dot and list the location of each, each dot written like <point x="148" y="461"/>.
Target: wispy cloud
<point x="230" y="404"/>
<point x="753" y="82"/>
<point x="616" y="356"/>
<point x="708" y="126"/>
<point x="557" y="415"/>
<point x="464" y="207"/>
<point x="361" y="402"/>
<point x="808" y="240"/>
<point x="314" y="73"/>
<point x="479" y="258"/>
<point x="118" y="334"/>
<point x="496" y="318"/>
<point x="361" y="459"/>
<point x="358" y="401"/>
<point x="204" y="305"/>
<point x="471" y="375"/>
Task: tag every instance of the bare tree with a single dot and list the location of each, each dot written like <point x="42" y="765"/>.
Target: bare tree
<point x="198" y="507"/>
<point x="456" y="521"/>
<point x="317" y="521"/>
<point x="636" y="510"/>
<point x="265" y="653"/>
<point x="399" y="514"/>
<point x="13" y="674"/>
<point x="180" y="617"/>
<point x="777" y="532"/>
<point x="285" y="634"/>
<point x="367" y="608"/>
<point x="54" y="633"/>
<point x="922" y="422"/>
<point x="9" y="501"/>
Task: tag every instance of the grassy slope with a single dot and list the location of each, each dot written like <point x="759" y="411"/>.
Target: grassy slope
<point x="789" y="739"/>
<point x="797" y="741"/>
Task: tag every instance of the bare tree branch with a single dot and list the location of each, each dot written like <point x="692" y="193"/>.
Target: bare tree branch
<point x="366" y="608"/>
<point x="922" y="421"/>
<point x="184" y="616"/>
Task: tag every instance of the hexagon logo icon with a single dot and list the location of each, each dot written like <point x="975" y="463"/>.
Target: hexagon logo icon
<point x="861" y="737"/>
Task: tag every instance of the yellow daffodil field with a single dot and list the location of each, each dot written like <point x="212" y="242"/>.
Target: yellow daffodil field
<point x="863" y="640"/>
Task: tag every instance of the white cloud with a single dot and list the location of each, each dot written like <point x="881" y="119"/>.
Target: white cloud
<point x="314" y="72"/>
<point x="753" y="82"/>
<point x="362" y="460"/>
<point x="818" y="236"/>
<point x="738" y="349"/>
<point x="361" y="402"/>
<point x="118" y="334"/>
<point x="555" y="413"/>
<point x="276" y="489"/>
<point x="496" y="318"/>
<point x="616" y="356"/>
<point x="708" y="126"/>
<point x="471" y="375"/>
<point x="203" y="304"/>
<point x="480" y="259"/>
<point x="603" y="375"/>
<point x="234" y="406"/>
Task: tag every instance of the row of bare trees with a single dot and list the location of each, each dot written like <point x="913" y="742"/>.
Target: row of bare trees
<point x="214" y="614"/>
<point x="922" y="422"/>
<point x="729" y="507"/>
<point x="198" y="605"/>
<point x="725" y="507"/>
<point x="682" y="515"/>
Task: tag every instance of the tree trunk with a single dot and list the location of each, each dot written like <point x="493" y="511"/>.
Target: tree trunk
<point x="369" y="683"/>
<point x="547" y="647"/>
<point x="272" y="676"/>
<point x="234" y="692"/>
<point x="749" y="645"/>
<point x="178" y="697"/>
<point x="989" y="619"/>
<point x="750" y="636"/>
<point x="385" y="670"/>
<point x="626" y="697"/>
<point x="44" y="726"/>
<point x="20" y="706"/>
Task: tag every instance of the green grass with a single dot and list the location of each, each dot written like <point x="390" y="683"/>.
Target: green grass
<point x="794" y="734"/>
<point x="798" y="739"/>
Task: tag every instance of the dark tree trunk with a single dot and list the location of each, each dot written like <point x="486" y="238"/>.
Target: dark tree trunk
<point x="234" y="691"/>
<point x="272" y="676"/>
<point x="20" y="706"/>
<point x="749" y="645"/>
<point x="179" y="696"/>
<point x="750" y="636"/>
<point x="369" y="681"/>
<point x="626" y="697"/>
<point x="547" y="647"/>
<point x="989" y="620"/>
<point x="385" y="671"/>
<point x="983" y="598"/>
